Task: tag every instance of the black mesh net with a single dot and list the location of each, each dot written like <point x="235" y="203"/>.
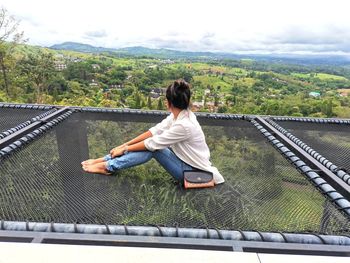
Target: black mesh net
<point x="44" y="182"/>
<point x="10" y="117"/>
<point x="330" y="140"/>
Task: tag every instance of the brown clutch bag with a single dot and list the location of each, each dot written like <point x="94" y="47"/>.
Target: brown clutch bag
<point x="198" y="179"/>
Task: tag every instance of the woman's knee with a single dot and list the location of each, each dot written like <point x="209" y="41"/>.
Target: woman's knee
<point x="163" y="153"/>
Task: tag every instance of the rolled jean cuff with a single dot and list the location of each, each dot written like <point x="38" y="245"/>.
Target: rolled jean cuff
<point x="107" y="157"/>
<point x="108" y="166"/>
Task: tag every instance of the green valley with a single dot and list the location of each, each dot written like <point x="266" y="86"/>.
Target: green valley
<point x="225" y="85"/>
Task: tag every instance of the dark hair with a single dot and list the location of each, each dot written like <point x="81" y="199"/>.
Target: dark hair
<point x="178" y="94"/>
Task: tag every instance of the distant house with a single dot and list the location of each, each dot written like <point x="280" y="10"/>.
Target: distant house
<point x="59" y="56"/>
<point x="344" y="92"/>
<point x="210" y="104"/>
<point x="76" y="60"/>
<point x="168" y="61"/>
<point x="93" y="83"/>
<point x="60" y="66"/>
<point x="160" y="91"/>
<point x="280" y="80"/>
<point x="116" y="86"/>
<point x="154" y="95"/>
<point x="314" y="94"/>
<point x="95" y="66"/>
<point x="197" y="105"/>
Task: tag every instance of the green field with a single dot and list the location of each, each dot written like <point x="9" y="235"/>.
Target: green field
<point x="321" y="76"/>
<point x="212" y="81"/>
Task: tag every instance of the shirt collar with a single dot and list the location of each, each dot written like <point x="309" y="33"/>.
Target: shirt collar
<point x="183" y="114"/>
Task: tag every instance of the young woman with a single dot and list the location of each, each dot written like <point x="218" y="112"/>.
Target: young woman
<point x="177" y="143"/>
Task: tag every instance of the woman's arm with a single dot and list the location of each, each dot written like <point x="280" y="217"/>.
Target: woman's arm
<point x="158" y="129"/>
<point x="139" y="138"/>
<point x="177" y="133"/>
<point x="136" y="147"/>
<point x="119" y="150"/>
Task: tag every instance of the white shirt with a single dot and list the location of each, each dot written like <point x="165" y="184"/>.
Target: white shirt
<point x="185" y="137"/>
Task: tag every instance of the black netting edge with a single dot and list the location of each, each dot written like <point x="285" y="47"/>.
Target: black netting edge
<point x="322" y="160"/>
<point x="341" y="203"/>
<point x="277" y="237"/>
<point x="26" y="106"/>
<point x="218" y="116"/>
<point x="25" y="124"/>
<point x="312" y="120"/>
<point x="33" y="135"/>
<point x="155" y="112"/>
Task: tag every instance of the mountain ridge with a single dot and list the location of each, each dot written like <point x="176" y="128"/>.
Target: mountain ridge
<point x="176" y="54"/>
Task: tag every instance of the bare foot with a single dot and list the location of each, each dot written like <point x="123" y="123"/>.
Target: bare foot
<point x="92" y="161"/>
<point x="98" y="168"/>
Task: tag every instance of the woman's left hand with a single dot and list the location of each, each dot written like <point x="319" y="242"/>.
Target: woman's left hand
<point x="118" y="151"/>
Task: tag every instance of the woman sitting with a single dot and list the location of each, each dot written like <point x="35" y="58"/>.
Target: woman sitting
<point x="177" y="143"/>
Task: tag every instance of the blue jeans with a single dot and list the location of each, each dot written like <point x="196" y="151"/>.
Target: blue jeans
<point x="165" y="157"/>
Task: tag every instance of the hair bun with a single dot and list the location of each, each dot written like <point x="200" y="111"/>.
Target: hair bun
<point x="181" y="85"/>
<point x="178" y="94"/>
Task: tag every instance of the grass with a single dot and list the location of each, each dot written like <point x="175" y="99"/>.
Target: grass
<point x="333" y="138"/>
<point x="324" y="76"/>
<point x="321" y="76"/>
<point x="206" y="67"/>
<point x="219" y="69"/>
<point x="237" y="71"/>
<point x="212" y="81"/>
<point x="297" y="207"/>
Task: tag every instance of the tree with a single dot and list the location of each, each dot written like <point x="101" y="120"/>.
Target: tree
<point x="9" y="38"/>
<point x="116" y="76"/>
<point x="160" y="105"/>
<point x="216" y="99"/>
<point x="80" y="71"/>
<point x="327" y="108"/>
<point x="137" y="99"/>
<point x="143" y="104"/>
<point x="149" y="102"/>
<point x="235" y="89"/>
<point x="40" y="70"/>
<point x="222" y="109"/>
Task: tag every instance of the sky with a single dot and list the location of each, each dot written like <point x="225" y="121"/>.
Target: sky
<point x="237" y="26"/>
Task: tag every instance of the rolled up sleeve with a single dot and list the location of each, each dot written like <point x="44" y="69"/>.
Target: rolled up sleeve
<point x="174" y="134"/>
<point x="162" y="126"/>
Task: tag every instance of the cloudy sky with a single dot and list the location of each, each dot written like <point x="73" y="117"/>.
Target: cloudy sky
<point x="240" y="26"/>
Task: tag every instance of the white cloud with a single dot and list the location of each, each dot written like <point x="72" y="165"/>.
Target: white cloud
<point x="223" y="25"/>
<point x="96" y="34"/>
